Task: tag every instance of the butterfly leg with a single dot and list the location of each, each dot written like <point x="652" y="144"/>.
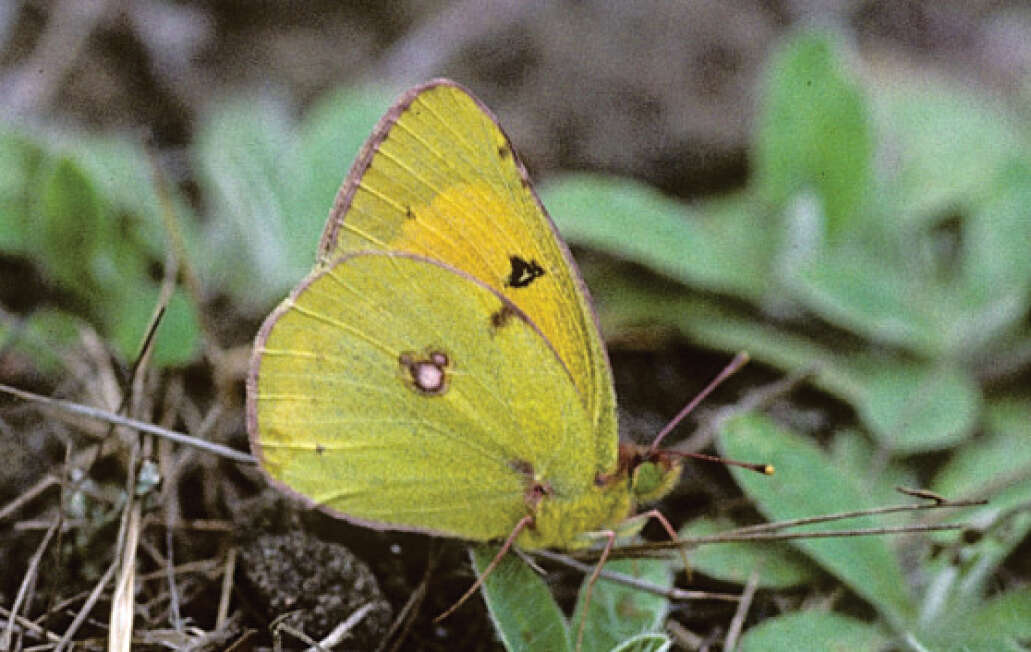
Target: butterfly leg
<point x="611" y="536"/>
<point x="523" y="522"/>
<point x="639" y="520"/>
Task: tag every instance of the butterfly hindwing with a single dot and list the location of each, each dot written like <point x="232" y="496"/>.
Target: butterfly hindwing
<point x="439" y="178"/>
<point x="403" y="393"/>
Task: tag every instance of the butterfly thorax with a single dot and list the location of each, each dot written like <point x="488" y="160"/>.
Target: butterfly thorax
<point x="574" y="521"/>
<point x="565" y="522"/>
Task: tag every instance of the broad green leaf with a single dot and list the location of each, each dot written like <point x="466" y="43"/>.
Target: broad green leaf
<point x="865" y="294"/>
<point x="813" y="630"/>
<point x="814" y="133"/>
<point x="779" y="565"/>
<point x="934" y="308"/>
<point x="243" y="150"/>
<point x="944" y="147"/>
<point x="720" y="246"/>
<point x="19" y="160"/>
<point x="525" y="615"/>
<point x="807" y="484"/>
<point x="617" y="612"/>
<point x="1002" y="623"/>
<point x="1003" y="452"/>
<point x="96" y="229"/>
<point x="996" y="466"/>
<point x="913" y="407"/>
<point x="851" y="450"/>
<point x="271" y="187"/>
<point x="645" y="643"/>
<point x="129" y="313"/>
<point x="124" y="175"/>
<point x="74" y="229"/>
<point x="993" y="290"/>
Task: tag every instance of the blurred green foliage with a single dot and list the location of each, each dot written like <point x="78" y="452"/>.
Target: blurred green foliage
<point x="881" y="244"/>
<point x="86" y="212"/>
<point x="900" y="289"/>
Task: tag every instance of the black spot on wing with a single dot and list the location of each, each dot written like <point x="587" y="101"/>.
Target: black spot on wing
<point x="523" y="273"/>
<point x="502" y="316"/>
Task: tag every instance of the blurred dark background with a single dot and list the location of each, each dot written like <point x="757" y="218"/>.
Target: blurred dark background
<point x="662" y="91"/>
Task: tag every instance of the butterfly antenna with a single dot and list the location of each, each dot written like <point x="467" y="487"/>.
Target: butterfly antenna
<point x="764" y="468"/>
<point x="739" y="361"/>
<point x="523" y="522"/>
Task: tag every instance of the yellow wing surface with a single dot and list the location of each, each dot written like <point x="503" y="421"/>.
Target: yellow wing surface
<point x="439" y="178"/>
<point x="403" y="393"/>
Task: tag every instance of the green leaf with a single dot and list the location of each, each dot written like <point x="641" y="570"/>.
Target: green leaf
<point x="617" y="612"/>
<point x="807" y="484"/>
<point x="271" y="187"/>
<point x="1002" y="623"/>
<point x="994" y="287"/>
<point x="927" y="312"/>
<point x="914" y="406"/>
<point x="997" y="466"/>
<point x="128" y="314"/>
<point x="779" y="565"/>
<point x="1003" y="451"/>
<point x="866" y="294"/>
<point x="125" y="178"/>
<point x="721" y="246"/>
<point x="243" y="152"/>
<point x="851" y="450"/>
<point x="815" y="630"/>
<point x="524" y="614"/>
<point x="947" y="147"/>
<point x="645" y="643"/>
<point x="74" y="229"/>
<point x="96" y="229"/>
<point x="20" y="160"/>
<point x="814" y="133"/>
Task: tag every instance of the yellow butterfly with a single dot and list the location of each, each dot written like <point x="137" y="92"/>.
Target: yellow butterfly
<point x="441" y="369"/>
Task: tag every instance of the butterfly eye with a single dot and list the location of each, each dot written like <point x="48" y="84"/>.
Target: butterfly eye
<point x="427" y="375"/>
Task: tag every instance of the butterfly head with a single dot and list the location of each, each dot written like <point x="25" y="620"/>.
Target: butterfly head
<point x="652" y="474"/>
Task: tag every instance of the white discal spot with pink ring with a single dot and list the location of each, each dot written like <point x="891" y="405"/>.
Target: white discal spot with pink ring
<point x="427" y="375"/>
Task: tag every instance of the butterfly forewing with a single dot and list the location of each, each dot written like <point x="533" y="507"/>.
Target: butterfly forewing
<point x="439" y="178"/>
